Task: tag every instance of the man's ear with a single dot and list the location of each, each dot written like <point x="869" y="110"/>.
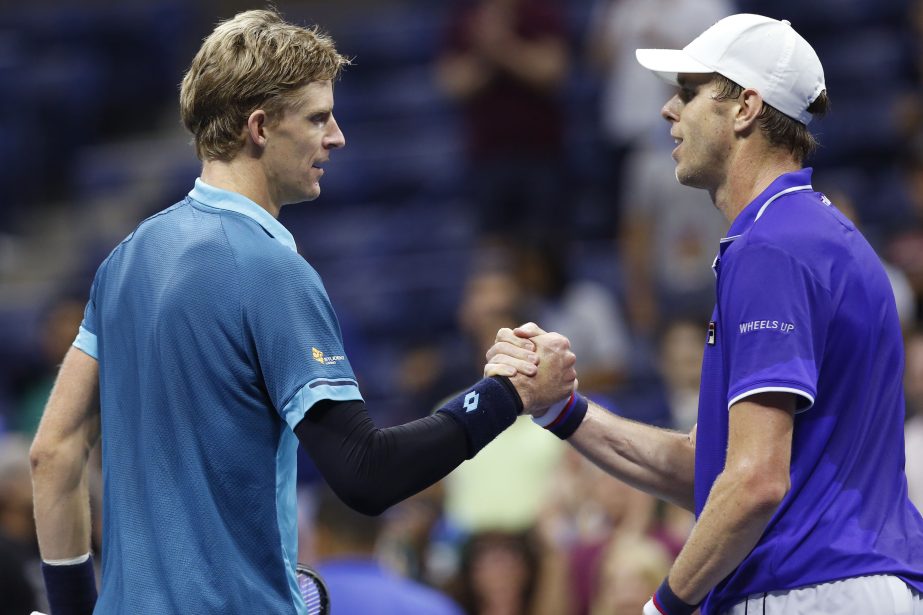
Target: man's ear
<point x="749" y="109"/>
<point x="256" y="128"/>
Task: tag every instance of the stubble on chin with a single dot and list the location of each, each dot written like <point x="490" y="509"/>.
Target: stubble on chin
<point x="690" y="179"/>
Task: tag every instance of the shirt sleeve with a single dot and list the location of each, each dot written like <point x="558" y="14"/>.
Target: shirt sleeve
<point x="296" y="337"/>
<point x="87" y="340"/>
<point x="774" y="316"/>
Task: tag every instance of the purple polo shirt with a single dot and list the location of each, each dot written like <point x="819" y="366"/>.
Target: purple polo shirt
<point x="804" y="306"/>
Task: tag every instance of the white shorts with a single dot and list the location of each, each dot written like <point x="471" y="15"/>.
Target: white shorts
<point x="874" y="595"/>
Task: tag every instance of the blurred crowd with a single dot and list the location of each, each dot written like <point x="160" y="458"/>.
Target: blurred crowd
<point x="505" y="162"/>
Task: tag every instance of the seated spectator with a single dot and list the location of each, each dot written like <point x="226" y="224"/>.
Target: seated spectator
<point x="59" y="321"/>
<point x="632" y="568"/>
<point x="582" y="309"/>
<point x="345" y="544"/>
<point x="511" y="573"/>
<point x="681" y="347"/>
<point x="669" y="241"/>
<point x="416" y="540"/>
<point x="587" y="510"/>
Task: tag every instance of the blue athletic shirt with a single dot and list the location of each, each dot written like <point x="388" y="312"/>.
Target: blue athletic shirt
<point x="361" y="586"/>
<point x="214" y="338"/>
<point x="804" y="306"/>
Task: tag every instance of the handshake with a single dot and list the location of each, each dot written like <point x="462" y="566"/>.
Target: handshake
<point x="541" y="367"/>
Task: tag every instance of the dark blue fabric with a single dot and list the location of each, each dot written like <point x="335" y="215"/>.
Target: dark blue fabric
<point x="571" y="418"/>
<point x="71" y="589"/>
<point x="669" y="603"/>
<point x="484" y="410"/>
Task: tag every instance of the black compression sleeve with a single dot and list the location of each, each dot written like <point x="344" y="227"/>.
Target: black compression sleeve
<point x="370" y="468"/>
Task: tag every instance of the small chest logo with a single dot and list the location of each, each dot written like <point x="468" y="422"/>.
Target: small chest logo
<point x="318" y="356"/>
<point x="712" y="331"/>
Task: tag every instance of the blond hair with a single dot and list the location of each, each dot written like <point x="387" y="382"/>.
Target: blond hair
<point x="255" y="60"/>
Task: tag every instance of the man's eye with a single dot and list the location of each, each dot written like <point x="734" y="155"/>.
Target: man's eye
<point x="686" y="94"/>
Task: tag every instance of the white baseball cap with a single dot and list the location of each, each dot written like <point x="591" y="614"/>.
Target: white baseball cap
<point x="753" y="51"/>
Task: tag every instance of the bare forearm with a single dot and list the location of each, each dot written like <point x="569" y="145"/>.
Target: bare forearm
<point x="658" y="461"/>
<point x="731" y="524"/>
<point x="59" y="454"/>
<point x="62" y="515"/>
<point x="743" y="497"/>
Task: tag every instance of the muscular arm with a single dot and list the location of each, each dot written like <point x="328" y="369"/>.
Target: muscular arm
<point x="655" y="460"/>
<point x="744" y="497"/>
<point x="371" y="469"/>
<point x="659" y="461"/>
<point x="68" y="431"/>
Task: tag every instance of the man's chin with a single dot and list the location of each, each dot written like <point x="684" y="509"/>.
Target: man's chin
<point x="691" y="180"/>
<point x="312" y="193"/>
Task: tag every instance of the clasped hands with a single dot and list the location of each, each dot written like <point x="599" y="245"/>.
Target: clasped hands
<point x="539" y="364"/>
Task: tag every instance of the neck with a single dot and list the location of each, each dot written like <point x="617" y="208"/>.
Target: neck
<point x="244" y="177"/>
<point x="752" y="174"/>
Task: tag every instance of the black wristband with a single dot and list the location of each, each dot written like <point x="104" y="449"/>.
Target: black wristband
<point x="485" y="410"/>
<point x="669" y="603"/>
<point x="71" y="588"/>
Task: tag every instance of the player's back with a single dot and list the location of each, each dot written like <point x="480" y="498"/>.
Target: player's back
<point x="198" y="509"/>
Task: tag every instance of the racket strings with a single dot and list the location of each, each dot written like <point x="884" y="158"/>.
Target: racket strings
<point x="313" y="591"/>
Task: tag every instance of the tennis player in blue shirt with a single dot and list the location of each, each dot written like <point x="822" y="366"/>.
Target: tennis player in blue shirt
<point x="209" y="349"/>
<point x="795" y="469"/>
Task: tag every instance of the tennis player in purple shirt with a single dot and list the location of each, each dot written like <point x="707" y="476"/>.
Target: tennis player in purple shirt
<point x="795" y="469"/>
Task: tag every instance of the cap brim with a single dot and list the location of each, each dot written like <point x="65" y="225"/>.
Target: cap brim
<point x="668" y="63"/>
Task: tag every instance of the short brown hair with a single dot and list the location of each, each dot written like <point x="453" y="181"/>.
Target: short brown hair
<point x="780" y="129"/>
<point x="253" y="60"/>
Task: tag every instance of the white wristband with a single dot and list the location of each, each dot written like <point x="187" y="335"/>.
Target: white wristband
<point x="68" y="562"/>
<point x="553" y="412"/>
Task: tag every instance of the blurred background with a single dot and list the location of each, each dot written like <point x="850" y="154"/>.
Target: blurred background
<point x="505" y="162"/>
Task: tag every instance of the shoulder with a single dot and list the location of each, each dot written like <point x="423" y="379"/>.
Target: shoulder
<point x="802" y="228"/>
<point x="274" y="277"/>
<point x="150" y="225"/>
<point x="798" y="220"/>
<point x="268" y="261"/>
